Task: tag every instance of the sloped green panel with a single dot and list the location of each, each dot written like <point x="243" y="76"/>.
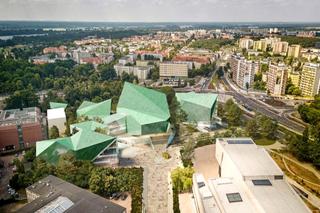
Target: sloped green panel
<point x="91" y="152"/>
<point x="133" y="127"/>
<point x="55" y="105"/>
<point x="155" y="128"/>
<point x="198" y="106"/>
<point x="93" y="110"/>
<point x="53" y="153"/>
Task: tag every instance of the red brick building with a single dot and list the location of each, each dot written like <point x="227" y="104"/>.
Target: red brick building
<point x="21" y="128"/>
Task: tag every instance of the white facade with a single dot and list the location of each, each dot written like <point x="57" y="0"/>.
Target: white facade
<point x="249" y="181"/>
<point x="57" y="117"/>
<point x="141" y="72"/>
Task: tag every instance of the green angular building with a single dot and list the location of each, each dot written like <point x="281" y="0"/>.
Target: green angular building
<point x="200" y="107"/>
<point x="85" y="144"/>
<point x="56" y="105"/>
<point x="146" y="110"/>
<point x="94" y="110"/>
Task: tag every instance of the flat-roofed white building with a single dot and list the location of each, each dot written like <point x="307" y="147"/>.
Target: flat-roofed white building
<point x="173" y="70"/>
<point x="250" y="181"/>
<point x="57" y="117"/>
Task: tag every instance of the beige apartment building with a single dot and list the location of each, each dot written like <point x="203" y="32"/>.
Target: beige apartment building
<point x="173" y="70"/>
<point x="295" y="78"/>
<point x="294" y="51"/>
<point x="280" y="47"/>
<point x="277" y="76"/>
<point x="310" y="79"/>
<point x="243" y="71"/>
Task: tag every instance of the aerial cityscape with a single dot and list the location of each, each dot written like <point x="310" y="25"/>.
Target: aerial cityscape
<point x="158" y="106"/>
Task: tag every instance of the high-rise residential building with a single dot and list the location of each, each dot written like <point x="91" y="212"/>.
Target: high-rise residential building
<point x="245" y="43"/>
<point x="21" y="128"/>
<point x="280" y="47"/>
<point x="295" y="78"/>
<point x="263" y="44"/>
<point x="310" y="79"/>
<point x="277" y="77"/>
<point x="294" y="51"/>
<point x="173" y="70"/>
<point x="243" y="71"/>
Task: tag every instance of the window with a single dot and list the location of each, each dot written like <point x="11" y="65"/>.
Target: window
<point x="201" y="184"/>
<point x="278" y="177"/>
<point x="263" y="182"/>
<point x="234" y="197"/>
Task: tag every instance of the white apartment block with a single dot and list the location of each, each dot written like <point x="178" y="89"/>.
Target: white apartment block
<point x="245" y="43"/>
<point x="173" y="70"/>
<point x="249" y="181"/>
<point x="243" y="71"/>
<point x="141" y="72"/>
<point x="310" y="79"/>
<point x="277" y="76"/>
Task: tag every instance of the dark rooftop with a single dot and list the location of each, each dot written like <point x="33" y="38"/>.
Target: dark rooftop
<point x="57" y="194"/>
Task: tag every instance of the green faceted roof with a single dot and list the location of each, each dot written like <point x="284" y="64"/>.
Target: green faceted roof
<point x="143" y="104"/>
<point x="202" y="99"/>
<point x="198" y="106"/>
<point x="86" y="143"/>
<point x="91" y="109"/>
<point x="87" y="125"/>
<point x="55" y="105"/>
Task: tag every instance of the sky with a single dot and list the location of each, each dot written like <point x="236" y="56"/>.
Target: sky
<point x="162" y="10"/>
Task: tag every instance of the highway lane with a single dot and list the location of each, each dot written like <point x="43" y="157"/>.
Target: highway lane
<point x="258" y="107"/>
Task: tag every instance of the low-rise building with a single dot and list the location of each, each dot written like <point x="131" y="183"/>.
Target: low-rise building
<point x="142" y="72"/>
<point x="249" y="181"/>
<point x="21" y="128"/>
<point x="173" y="70"/>
<point x="310" y="79"/>
<point x="52" y="194"/>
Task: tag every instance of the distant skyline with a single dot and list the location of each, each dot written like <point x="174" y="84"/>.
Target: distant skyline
<point x="162" y="10"/>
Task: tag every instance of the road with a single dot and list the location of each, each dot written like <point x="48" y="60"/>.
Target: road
<point x="252" y="104"/>
<point x="263" y="109"/>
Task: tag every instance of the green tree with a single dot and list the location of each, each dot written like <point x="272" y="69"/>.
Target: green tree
<point x="252" y="128"/>
<point x="54" y="132"/>
<point x="107" y="72"/>
<point x="232" y="113"/>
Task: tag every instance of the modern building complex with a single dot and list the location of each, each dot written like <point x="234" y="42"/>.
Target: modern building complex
<point x="310" y="79"/>
<point x="294" y="51"/>
<point x="243" y="71"/>
<point x="173" y="70"/>
<point x="249" y="181"/>
<point x="140" y="111"/>
<point x="200" y="107"/>
<point x="146" y="110"/>
<point x="52" y="194"/>
<point x="21" y="128"/>
<point x="277" y="76"/>
<point x="141" y="72"/>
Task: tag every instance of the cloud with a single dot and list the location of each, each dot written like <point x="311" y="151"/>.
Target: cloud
<point x="161" y="10"/>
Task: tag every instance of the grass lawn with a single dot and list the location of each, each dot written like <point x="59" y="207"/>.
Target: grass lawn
<point x="264" y="141"/>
